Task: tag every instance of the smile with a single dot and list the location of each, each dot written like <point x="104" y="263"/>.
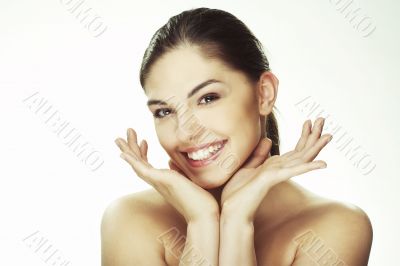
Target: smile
<point x="206" y="155"/>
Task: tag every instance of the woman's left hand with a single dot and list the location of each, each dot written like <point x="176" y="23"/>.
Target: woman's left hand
<point x="246" y="189"/>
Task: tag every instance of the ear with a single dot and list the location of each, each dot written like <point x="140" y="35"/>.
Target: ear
<point x="267" y="91"/>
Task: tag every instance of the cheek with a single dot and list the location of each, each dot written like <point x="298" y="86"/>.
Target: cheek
<point x="226" y="116"/>
<point x="165" y="136"/>
<point x="237" y="117"/>
<point x="244" y="125"/>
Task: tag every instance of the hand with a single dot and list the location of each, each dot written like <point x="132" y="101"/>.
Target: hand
<point x="243" y="176"/>
<point x="246" y="189"/>
<point x="190" y="200"/>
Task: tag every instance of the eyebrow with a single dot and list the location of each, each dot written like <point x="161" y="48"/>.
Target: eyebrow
<point x="190" y="94"/>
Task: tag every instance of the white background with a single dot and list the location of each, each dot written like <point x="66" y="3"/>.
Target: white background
<point x="93" y="84"/>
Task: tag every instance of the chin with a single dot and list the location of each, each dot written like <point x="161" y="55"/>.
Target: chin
<point x="209" y="181"/>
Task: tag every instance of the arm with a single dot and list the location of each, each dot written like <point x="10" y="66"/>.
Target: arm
<point x="237" y="243"/>
<point x="202" y="242"/>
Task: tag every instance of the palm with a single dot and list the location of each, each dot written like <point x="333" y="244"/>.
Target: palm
<point x="248" y="170"/>
<point x="249" y="185"/>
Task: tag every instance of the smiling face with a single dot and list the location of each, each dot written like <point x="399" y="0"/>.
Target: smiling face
<point x="224" y="110"/>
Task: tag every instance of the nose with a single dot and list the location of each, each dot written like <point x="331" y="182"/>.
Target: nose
<point x="188" y="127"/>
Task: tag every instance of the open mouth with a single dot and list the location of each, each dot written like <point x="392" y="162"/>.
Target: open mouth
<point x="205" y="156"/>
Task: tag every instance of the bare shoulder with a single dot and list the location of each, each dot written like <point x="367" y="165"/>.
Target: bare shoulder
<point x="130" y="229"/>
<point x="322" y="232"/>
<point x="147" y="204"/>
<point x="332" y="232"/>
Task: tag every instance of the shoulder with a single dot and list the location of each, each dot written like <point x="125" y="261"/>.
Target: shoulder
<point x="129" y="229"/>
<point x="145" y="205"/>
<point x="137" y="206"/>
<point x="334" y="232"/>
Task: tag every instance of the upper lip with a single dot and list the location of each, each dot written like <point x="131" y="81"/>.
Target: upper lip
<point x="202" y="146"/>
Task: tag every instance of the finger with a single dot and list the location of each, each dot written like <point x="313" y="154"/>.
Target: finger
<point x="311" y="153"/>
<point x="304" y="135"/>
<point x="143" y="149"/>
<point x="259" y="155"/>
<point x="316" y="133"/>
<point x="124" y="147"/>
<point x="132" y="141"/>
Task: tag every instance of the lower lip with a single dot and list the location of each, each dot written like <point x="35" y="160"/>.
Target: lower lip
<point x="207" y="161"/>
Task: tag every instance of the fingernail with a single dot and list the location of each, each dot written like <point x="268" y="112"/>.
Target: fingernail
<point x="330" y="138"/>
<point x="122" y="156"/>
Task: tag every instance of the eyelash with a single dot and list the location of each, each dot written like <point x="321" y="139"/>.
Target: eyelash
<point x="214" y="96"/>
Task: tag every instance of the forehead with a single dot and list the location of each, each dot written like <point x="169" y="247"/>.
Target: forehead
<point x="179" y="70"/>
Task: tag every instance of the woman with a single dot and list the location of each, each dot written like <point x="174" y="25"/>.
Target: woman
<point x="227" y="198"/>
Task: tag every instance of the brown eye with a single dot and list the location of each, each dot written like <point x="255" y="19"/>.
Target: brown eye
<point x="210" y="98"/>
<point x="158" y="111"/>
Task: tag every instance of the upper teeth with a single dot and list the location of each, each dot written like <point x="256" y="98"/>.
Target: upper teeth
<point x="204" y="153"/>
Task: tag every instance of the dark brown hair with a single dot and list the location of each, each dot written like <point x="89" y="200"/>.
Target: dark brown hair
<point x="220" y="35"/>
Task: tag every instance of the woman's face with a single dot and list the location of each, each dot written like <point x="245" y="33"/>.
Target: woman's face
<point x="224" y="111"/>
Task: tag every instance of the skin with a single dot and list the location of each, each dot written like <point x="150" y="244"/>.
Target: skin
<point x="251" y="212"/>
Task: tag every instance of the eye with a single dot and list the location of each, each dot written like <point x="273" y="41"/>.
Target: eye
<point x="211" y="97"/>
<point x="158" y="111"/>
<point x="163" y="112"/>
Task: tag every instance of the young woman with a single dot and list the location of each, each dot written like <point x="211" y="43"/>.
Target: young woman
<point x="227" y="198"/>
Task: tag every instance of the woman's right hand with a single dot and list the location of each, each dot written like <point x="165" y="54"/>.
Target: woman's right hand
<point x="190" y="200"/>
